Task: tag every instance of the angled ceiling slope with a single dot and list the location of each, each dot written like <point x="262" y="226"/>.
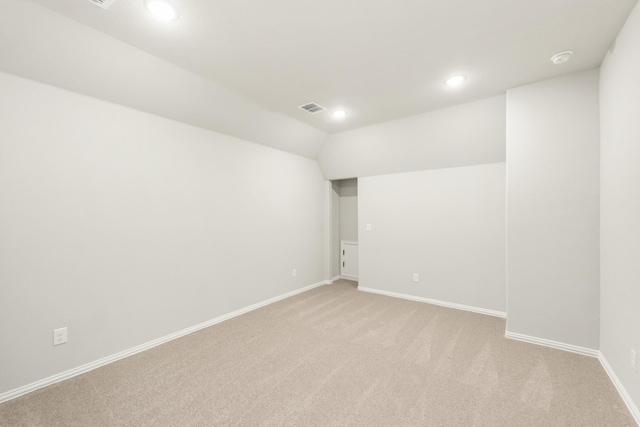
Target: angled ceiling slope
<point x="377" y="59"/>
<point x="44" y="46"/>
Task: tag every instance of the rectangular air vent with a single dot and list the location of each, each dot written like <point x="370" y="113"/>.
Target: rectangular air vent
<point x="312" y="108"/>
<point x="102" y="3"/>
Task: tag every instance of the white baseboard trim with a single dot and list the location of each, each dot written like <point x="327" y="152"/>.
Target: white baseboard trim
<point x="623" y="392"/>
<point x="353" y="279"/>
<point x="552" y="344"/>
<point x="436" y="302"/>
<point x="330" y="281"/>
<point x="12" y="394"/>
<point x="635" y="413"/>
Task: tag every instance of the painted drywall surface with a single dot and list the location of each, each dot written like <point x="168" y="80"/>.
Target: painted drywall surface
<point x="98" y="65"/>
<point x="349" y="218"/>
<point x="464" y="135"/>
<point x="348" y="187"/>
<point x="447" y="225"/>
<point x="349" y="209"/>
<point x="552" y="205"/>
<point x="620" y="205"/>
<point x="125" y="227"/>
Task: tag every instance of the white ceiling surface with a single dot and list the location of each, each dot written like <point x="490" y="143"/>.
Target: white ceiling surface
<point x="45" y="46"/>
<point x="378" y="59"/>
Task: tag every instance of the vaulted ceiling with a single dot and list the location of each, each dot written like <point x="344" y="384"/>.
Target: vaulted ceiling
<point x="376" y="59"/>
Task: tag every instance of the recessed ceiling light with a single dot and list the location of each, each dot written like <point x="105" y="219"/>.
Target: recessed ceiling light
<point x="455" y="81"/>
<point x="339" y="114"/>
<point x="162" y="10"/>
<point x="562" y="57"/>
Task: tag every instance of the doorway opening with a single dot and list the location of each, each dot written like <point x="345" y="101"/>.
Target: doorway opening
<point x="344" y="233"/>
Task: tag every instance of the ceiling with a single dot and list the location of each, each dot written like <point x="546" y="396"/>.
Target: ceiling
<point x="377" y="59"/>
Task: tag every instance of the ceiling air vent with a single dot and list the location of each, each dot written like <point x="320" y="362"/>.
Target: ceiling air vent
<point x="312" y="108"/>
<point x="102" y="3"/>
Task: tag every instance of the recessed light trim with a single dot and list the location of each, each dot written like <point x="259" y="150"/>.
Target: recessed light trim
<point x="455" y="81"/>
<point x="339" y="114"/>
<point x="162" y="10"/>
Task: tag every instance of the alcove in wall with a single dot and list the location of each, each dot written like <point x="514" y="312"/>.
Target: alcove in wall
<point x="344" y="200"/>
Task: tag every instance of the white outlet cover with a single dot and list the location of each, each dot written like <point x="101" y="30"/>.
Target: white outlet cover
<point x="294" y="273"/>
<point x="416" y="277"/>
<point x="368" y="228"/>
<point x="59" y="336"/>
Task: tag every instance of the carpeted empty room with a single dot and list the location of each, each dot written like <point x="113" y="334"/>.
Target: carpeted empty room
<point x="319" y="213"/>
<point x="336" y="356"/>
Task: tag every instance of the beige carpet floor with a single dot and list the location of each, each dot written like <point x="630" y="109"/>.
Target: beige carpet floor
<point x="336" y="356"/>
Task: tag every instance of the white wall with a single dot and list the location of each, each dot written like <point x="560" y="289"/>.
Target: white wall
<point x="349" y="218"/>
<point x="349" y="209"/>
<point x="552" y="205"/>
<point x="464" y="135"/>
<point x="125" y="227"/>
<point x="59" y="51"/>
<point x="447" y="225"/>
<point x="620" y="205"/>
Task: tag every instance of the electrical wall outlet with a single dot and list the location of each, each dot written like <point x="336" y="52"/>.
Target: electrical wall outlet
<point x="368" y="227"/>
<point x="59" y="336"/>
<point x="416" y="277"/>
<point x="634" y="364"/>
<point x="294" y="273"/>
